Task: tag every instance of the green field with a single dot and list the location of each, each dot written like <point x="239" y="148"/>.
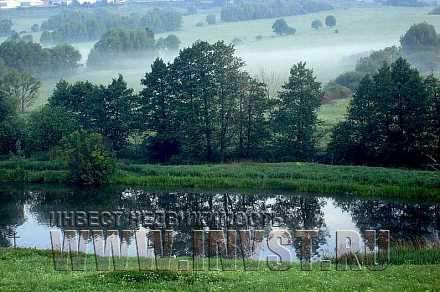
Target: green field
<point x="293" y="177"/>
<point x="32" y="270"/>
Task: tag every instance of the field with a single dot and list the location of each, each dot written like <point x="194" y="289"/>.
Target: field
<point x="293" y="177"/>
<point x="22" y="269"/>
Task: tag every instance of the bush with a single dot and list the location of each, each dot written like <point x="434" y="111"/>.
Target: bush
<point x="89" y="160"/>
<point x="280" y="27"/>
<point x="330" y="21"/>
<point x="350" y="79"/>
<point x="35" y="27"/>
<point x="334" y="91"/>
<point x="316" y="24"/>
<point x="171" y="42"/>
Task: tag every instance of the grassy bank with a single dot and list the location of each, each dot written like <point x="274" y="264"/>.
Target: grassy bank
<point x="31" y="270"/>
<point x="295" y="177"/>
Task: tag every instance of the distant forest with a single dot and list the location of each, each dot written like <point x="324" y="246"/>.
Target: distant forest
<point x="270" y="9"/>
<point x="75" y="26"/>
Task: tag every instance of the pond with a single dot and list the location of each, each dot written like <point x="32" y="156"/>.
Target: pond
<point x="31" y="212"/>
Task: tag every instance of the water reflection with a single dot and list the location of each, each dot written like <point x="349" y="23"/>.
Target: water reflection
<point x="29" y="212"/>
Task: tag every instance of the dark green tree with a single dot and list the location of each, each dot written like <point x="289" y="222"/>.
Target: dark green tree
<point x="280" y="27"/>
<point x="159" y="112"/>
<point x="433" y="88"/>
<point x="296" y="117"/>
<point x="388" y="118"/>
<point x="251" y="119"/>
<point x="420" y="36"/>
<point x="45" y="128"/>
<point x="107" y="110"/>
<point x="330" y="20"/>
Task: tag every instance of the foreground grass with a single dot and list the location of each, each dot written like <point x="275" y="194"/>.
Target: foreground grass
<point x="32" y="270"/>
<point x="295" y="177"/>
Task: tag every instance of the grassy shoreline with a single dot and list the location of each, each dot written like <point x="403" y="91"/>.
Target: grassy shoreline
<point x="296" y="177"/>
<point x="29" y="269"/>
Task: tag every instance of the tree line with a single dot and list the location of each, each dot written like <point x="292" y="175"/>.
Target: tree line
<point x="204" y="106"/>
<point x="120" y="44"/>
<point x="33" y="59"/>
<point x="76" y="26"/>
<point x="420" y="45"/>
<point x="270" y="9"/>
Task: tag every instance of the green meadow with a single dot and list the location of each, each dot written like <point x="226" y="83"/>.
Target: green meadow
<point x="32" y="270"/>
<point x="298" y="177"/>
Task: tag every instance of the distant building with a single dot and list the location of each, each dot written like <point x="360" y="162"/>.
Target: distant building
<point x="85" y="2"/>
<point x="31" y="3"/>
<point x="8" y="4"/>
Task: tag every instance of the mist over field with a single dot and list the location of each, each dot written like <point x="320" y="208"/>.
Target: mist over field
<point x="327" y="52"/>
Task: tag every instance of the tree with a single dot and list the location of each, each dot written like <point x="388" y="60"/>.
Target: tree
<point x="296" y="117"/>
<point x="330" y="21"/>
<point x="47" y="127"/>
<point x="207" y="79"/>
<point x="9" y="125"/>
<point x="158" y="110"/>
<point x="433" y="88"/>
<point x="316" y="24"/>
<point x="35" y="27"/>
<point x="108" y="110"/>
<point x="120" y="44"/>
<point x="32" y="58"/>
<point x="280" y="27"/>
<point x="89" y="160"/>
<point x="420" y="37"/>
<point x="21" y="88"/>
<point x="388" y="119"/>
<point x="251" y="120"/>
<point x="211" y="19"/>
<point x="5" y="27"/>
<point x="171" y="42"/>
<point x="240" y="10"/>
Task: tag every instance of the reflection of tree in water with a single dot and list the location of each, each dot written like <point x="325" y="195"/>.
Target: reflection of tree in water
<point x="297" y="212"/>
<point x="304" y="213"/>
<point x="12" y="213"/>
<point x="406" y="221"/>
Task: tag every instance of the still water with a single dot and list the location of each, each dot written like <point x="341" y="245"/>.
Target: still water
<point x="31" y="212"/>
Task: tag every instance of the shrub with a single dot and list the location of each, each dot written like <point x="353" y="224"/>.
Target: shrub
<point x="334" y="91"/>
<point x="316" y="24"/>
<point x="350" y="79"/>
<point x="89" y="160"/>
<point x="330" y="21"/>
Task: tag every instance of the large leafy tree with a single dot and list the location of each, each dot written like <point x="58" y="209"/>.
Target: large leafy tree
<point x="107" y="110"/>
<point x="251" y="119"/>
<point x="159" y="112"/>
<point x="45" y="128"/>
<point x="387" y="119"/>
<point x="433" y="88"/>
<point x="208" y="82"/>
<point x="296" y="117"/>
<point x="21" y="88"/>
